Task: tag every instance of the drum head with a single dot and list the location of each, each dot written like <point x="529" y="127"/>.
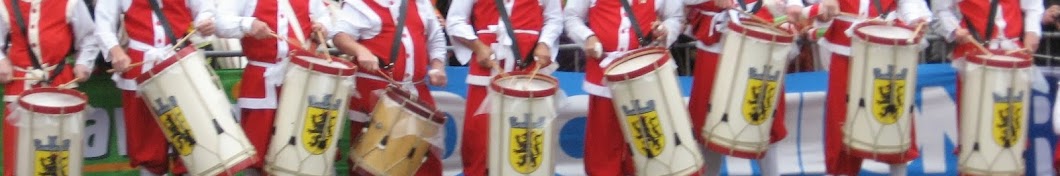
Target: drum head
<point x="1002" y="59"/>
<point x="415" y="105"/>
<point x="186" y="52"/>
<point x="637" y="63"/>
<point x="882" y="33"/>
<point x="335" y="66"/>
<point x="761" y="31"/>
<point x="53" y="101"/>
<point x="522" y="85"/>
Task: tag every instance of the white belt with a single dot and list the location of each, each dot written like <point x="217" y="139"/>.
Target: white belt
<point x="517" y="31"/>
<point x="152" y="53"/>
<point x="35" y="75"/>
<point x="274" y="72"/>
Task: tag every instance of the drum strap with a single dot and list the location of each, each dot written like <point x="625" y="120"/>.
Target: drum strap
<point x="520" y="61"/>
<point x="396" y="44"/>
<point x="33" y="56"/>
<point x="876" y="4"/>
<point x="165" y="21"/>
<point x="754" y="9"/>
<point x="644" y="40"/>
<point x="985" y="37"/>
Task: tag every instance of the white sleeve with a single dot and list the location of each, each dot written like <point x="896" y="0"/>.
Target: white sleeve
<point x="86" y="43"/>
<point x="909" y="10"/>
<point x="233" y="19"/>
<point x="203" y="10"/>
<point x="673" y="14"/>
<point x="574" y="20"/>
<point x="436" y="46"/>
<point x="354" y="22"/>
<point x="694" y="2"/>
<point x="319" y="13"/>
<point x="795" y="3"/>
<point x="1032" y="16"/>
<point x="107" y="17"/>
<point x="4" y="31"/>
<point x="458" y="24"/>
<point x="948" y="16"/>
<point x="553" y="23"/>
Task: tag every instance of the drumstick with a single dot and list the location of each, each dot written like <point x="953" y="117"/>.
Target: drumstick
<point x="500" y="71"/>
<point x="977" y="45"/>
<point x="183" y="39"/>
<point x="1017" y="50"/>
<point x="320" y="36"/>
<point x="278" y="37"/>
<point x="756" y="18"/>
<point x="130" y="65"/>
<point x="533" y="73"/>
<point x="915" y="32"/>
<point x="24" y="79"/>
<point x="63" y="86"/>
<point x="391" y="79"/>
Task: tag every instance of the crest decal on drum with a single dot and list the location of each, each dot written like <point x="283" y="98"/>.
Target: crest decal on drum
<point x="760" y="95"/>
<point x="320" y="119"/>
<point x="176" y="128"/>
<point x="1008" y="113"/>
<point x="647" y="131"/>
<point x="888" y="93"/>
<point x="527" y="140"/>
<point x="52" y="158"/>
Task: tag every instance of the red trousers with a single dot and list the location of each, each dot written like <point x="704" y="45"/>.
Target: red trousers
<point x="366" y="103"/>
<point x="474" y="145"/>
<point x="606" y="151"/>
<point x="838" y="160"/>
<point x="10" y="138"/>
<point x="147" y="145"/>
<point x="257" y="125"/>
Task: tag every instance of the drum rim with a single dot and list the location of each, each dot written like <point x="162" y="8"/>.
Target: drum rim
<point x="639" y="71"/>
<point x="789" y="38"/>
<point x="165" y="64"/>
<point x="53" y="109"/>
<point x="886" y="41"/>
<point x="297" y="60"/>
<point x="978" y="58"/>
<point x="525" y="93"/>
<point x="415" y="105"/>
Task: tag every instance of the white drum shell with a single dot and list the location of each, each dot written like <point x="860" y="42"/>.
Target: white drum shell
<point x="196" y="91"/>
<point x="979" y="86"/>
<point x="659" y="86"/>
<point x="66" y="129"/>
<point x="504" y="108"/>
<point x="743" y="56"/>
<point x="300" y="86"/>
<point x="861" y="130"/>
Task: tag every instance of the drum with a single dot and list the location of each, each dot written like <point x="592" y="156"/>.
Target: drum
<point x="883" y="65"/>
<point x="995" y="94"/>
<point x="395" y="141"/>
<point x="746" y="89"/>
<point x="652" y="113"/>
<point x="310" y="117"/>
<point x="522" y="140"/>
<point x="50" y="124"/>
<point x="195" y="115"/>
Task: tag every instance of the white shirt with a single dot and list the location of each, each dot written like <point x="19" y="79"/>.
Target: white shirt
<point x="77" y="16"/>
<point x="949" y="15"/>
<point x="671" y="11"/>
<point x="362" y="22"/>
<point x="108" y="13"/>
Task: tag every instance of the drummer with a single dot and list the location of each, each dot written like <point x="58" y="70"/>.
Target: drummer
<point x="708" y="18"/>
<point x="603" y="42"/>
<point x="905" y="12"/>
<point x="148" y="149"/>
<point x="412" y="62"/>
<point x="30" y="62"/>
<point x="269" y="30"/>
<point x="539" y="24"/>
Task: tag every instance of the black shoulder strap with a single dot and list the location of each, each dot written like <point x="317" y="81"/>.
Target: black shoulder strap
<point x="400" y="31"/>
<point x="754" y="9"/>
<point x="984" y="37"/>
<point x="641" y="38"/>
<point x="876" y="4"/>
<point x="17" y="10"/>
<point x="165" y="21"/>
<point x="521" y="61"/>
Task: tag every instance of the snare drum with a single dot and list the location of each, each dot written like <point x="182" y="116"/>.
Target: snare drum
<point x="750" y="75"/>
<point x="195" y="115"/>
<point x="883" y="65"/>
<point x="653" y="115"/>
<point x="310" y="116"/>
<point x="995" y="94"/>
<point x="395" y="141"/>
<point x="50" y="125"/>
<point x="522" y="140"/>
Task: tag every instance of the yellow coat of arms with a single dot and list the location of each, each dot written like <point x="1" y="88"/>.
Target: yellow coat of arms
<point x="645" y="128"/>
<point x="526" y="148"/>
<point x="319" y="126"/>
<point x="52" y="158"/>
<point x="888" y="94"/>
<point x="1008" y="116"/>
<point x="760" y="95"/>
<point x="175" y="126"/>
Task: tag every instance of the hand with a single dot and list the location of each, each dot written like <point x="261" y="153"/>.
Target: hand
<point x="1051" y="15"/>
<point x="659" y="31"/>
<point x="591" y="47"/>
<point x="962" y="36"/>
<point x="82" y="72"/>
<point x="119" y="60"/>
<point x="206" y="27"/>
<point x="828" y="9"/>
<point x="5" y="71"/>
<point x="260" y="30"/>
<point x="794" y="13"/>
<point x="483" y="54"/>
<point x="437" y="73"/>
<point x="367" y="61"/>
<point x="1030" y="41"/>
<point x="724" y="4"/>
<point x="542" y="55"/>
<point x="319" y="27"/>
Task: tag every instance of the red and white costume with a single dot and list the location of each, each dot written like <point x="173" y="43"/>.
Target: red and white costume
<point x="147" y="43"/>
<point x="536" y="21"/>
<point x="64" y="26"/>
<point x="373" y="23"/>
<point x="268" y="57"/>
<point x="1014" y="19"/>
<point x="837" y="159"/>
<point x="608" y="22"/>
